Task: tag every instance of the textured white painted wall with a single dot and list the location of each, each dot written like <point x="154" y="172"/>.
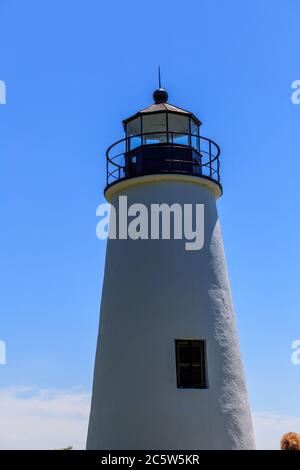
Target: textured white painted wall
<point x="155" y="291"/>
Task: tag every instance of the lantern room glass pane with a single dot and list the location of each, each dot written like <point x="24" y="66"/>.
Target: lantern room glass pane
<point x="179" y="128"/>
<point x="195" y="132"/>
<point x="133" y="128"/>
<point x="155" y="128"/>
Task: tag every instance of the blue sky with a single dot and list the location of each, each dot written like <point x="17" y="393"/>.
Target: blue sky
<point x="73" y="71"/>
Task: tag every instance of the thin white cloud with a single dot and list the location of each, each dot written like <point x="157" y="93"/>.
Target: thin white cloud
<point x="33" y="418"/>
<point x="270" y="427"/>
<point x="43" y="419"/>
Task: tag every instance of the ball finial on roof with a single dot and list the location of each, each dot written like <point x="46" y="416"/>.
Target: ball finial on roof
<point x="160" y="96"/>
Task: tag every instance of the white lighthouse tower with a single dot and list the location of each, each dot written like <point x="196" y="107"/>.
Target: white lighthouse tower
<point x="168" y="371"/>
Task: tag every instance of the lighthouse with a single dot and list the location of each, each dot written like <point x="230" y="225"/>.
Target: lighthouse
<point x="168" y="370"/>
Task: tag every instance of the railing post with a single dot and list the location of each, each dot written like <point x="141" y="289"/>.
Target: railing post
<point x="106" y="170"/>
<point x="210" y="170"/>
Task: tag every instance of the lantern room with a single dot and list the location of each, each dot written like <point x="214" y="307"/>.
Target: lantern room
<point x="162" y="139"/>
<point x="162" y="123"/>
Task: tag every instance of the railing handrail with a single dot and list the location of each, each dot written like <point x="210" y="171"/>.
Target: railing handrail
<point x="127" y="139"/>
<point x="210" y="154"/>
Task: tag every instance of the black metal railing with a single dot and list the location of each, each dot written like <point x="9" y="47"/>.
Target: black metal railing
<point x="184" y="153"/>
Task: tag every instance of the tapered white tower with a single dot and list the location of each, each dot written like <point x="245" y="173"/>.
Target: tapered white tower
<point x="168" y="371"/>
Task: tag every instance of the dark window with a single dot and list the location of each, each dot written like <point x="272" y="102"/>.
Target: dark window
<point x="191" y="363"/>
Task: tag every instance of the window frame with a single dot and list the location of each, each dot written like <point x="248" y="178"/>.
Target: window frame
<point x="202" y="364"/>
